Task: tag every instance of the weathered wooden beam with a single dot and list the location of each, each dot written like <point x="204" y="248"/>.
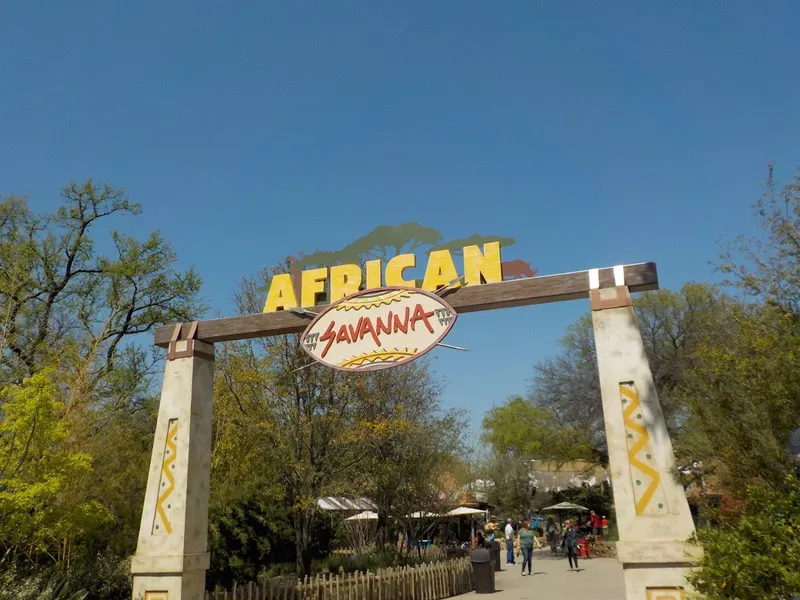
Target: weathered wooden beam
<point x="506" y="294"/>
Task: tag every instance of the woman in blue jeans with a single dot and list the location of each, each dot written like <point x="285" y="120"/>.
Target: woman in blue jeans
<point x="526" y="545"/>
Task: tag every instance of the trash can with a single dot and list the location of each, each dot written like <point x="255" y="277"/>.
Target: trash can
<point x="495" y="550"/>
<point x="482" y="571"/>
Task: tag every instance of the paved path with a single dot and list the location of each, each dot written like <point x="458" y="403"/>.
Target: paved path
<point x="598" y="579"/>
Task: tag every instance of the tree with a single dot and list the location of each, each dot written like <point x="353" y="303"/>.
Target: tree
<point x="757" y="556"/>
<point x="672" y="325"/>
<point x="741" y="392"/>
<point x="36" y="471"/>
<point x="57" y="295"/>
<point x="315" y="426"/>
<point x="767" y="267"/>
<point x="78" y="408"/>
<point x="403" y="472"/>
<point x="521" y="431"/>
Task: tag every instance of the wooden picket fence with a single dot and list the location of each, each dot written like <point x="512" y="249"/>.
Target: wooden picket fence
<point x="429" y="581"/>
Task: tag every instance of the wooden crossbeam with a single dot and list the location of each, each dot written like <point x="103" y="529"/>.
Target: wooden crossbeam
<point x="505" y="294"/>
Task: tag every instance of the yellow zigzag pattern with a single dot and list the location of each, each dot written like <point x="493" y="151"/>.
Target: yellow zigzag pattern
<point x="166" y="473"/>
<point x="628" y="413"/>
<point x="373" y="301"/>
<point x="392" y="355"/>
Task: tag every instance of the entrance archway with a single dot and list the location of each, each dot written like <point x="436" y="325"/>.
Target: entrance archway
<point x="652" y="511"/>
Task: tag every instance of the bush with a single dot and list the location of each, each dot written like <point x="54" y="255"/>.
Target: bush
<point x="758" y="556"/>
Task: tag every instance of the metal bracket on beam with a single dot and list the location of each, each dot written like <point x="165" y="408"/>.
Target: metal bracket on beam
<point x="190" y="350"/>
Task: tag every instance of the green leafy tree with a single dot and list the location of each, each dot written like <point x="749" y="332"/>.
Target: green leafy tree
<point x="520" y="430"/>
<point x="757" y="556"/>
<point x="74" y="380"/>
<point x="672" y="325"/>
<point x="37" y="467"/>
<point x="741" y="392"/>
<point x="315" y="426"/>
<point x="415" y="447"/>
<point x="59" y="295"/>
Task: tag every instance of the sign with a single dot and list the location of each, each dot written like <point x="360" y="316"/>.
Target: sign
<point x="479" y="266"/>
<point x="377" y="329"/>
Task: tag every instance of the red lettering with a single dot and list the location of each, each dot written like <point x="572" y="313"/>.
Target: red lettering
<point x="354" y="330"/>
<point x="391" y="323"/>
<point x="387" y="329"/>
<point x="329" y="336"/>
<point x="367" y="328"/>
<point x="401" y="326"/>
<point x="421" y="315"/>
<point x="343" y="336"/>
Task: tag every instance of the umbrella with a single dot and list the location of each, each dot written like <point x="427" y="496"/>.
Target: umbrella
<point x="464" y="510"/>
<point x="567" y="507"/>
<point x="367" y="515"/>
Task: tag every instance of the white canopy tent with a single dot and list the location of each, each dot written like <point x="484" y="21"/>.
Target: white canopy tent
<point x="465" y="511"/>
<point x="367" y="515"/>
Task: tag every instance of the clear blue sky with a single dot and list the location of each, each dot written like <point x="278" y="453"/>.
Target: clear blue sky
<point x="595" y="133"/>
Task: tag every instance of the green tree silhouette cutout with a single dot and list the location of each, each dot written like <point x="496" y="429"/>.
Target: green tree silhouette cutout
<point x="384" y="242"/>
<point x="456" y="247"/>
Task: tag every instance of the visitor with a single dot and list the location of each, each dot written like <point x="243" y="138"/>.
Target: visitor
<point x="509" y="532"/>
<point x="480" y="540"/>
<point x="570" y="544"/>
<point x="552" y="535"/>
<point x="595" y="519"/>
<point x="526" y="545"/>
<point x="604" y="525"/>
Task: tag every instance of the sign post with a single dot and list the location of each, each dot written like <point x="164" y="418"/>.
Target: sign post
<point x="378" y="319"/>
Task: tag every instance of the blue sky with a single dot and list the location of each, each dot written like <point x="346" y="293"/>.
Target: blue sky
<point x="595" y="133"/>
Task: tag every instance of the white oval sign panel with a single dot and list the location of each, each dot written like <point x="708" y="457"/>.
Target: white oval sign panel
<point x="378" y="328"/>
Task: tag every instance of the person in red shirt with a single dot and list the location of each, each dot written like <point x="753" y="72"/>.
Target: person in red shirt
<point x="604" y="523"/>
<point x="596" y="523"/>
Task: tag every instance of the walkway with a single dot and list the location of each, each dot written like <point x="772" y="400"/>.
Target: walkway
<point x="598" y="579"/>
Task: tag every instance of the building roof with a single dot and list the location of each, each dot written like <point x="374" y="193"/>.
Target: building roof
<point x="334" y="503"/>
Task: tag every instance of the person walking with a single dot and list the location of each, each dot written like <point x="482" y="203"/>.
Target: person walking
<point x="552" y="535"/>
<point x="570" y="544"/>
<point x="526" y="545"/>
<point x="509" y="533"/>
<point x="596" y="523"/>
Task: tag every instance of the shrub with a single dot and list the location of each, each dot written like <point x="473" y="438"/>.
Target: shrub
<point x="757" y="556"/>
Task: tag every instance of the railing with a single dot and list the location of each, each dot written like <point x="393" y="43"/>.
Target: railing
<point x="429" y="581"/>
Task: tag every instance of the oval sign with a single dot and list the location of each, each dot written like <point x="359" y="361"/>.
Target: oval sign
<point x="378" y="328"/>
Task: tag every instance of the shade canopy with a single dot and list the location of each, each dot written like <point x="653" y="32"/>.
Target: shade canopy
<point x="566" y="507"/>
<point x="422" y="514"/>
<point x="367" y="515"/>
<point x="465" y="510"/>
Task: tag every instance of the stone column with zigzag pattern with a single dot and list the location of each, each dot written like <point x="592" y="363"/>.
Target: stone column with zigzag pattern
<point x="172" y="553"/>
<point x="652" y="512"/>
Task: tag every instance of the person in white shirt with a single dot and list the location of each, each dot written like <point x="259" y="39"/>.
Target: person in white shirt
<point x="509" y="531"/>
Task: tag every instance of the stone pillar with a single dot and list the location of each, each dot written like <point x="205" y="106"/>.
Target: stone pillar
<point x="652" y="512"/>
<point x="172" y="554"/>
